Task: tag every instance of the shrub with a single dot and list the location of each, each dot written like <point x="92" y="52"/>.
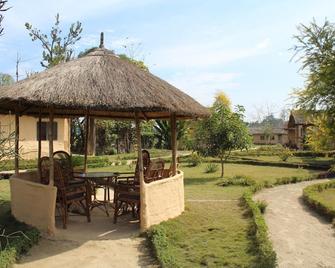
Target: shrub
<point x="211" y="168"/>
<point x="262" y="206"/>
<point x="311" y="197"/>
<point x="267" y="256"/>
<point x="285" y="154"/>
<point x="194" y="160"/>
<point x="18" y="244"/>
<point x="237" y="180"/>
<point x="158" y="239"/>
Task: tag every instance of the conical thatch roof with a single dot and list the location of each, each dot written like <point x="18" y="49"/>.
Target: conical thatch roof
<point x="101" y="84"/>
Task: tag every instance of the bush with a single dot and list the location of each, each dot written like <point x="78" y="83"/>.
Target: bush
<point x="194" y="160"/>
<point x="262" y="206"/>
<point x="211" y="168"/>
<point x="285" y="154"/>
<point x="237" y="180"/>
<point x="18" y="245"/>
<point x="158" y="239"/>
<point x="267" y="256"/>
<point x="310" y="196"/>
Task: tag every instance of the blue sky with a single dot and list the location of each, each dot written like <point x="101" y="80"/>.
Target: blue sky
<point x="240" y="47"/>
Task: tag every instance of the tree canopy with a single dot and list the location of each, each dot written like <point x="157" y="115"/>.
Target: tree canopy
<point x="6" y="79"/>
<point x="223" y="131"/>
<point x="315" y="49"/>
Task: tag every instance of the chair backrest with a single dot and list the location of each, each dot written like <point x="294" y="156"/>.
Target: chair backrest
<point x="146" y="164"/>
<point x="64" y="162"/>
<point x="59" y="179"/>
<point x="155" y="170"/>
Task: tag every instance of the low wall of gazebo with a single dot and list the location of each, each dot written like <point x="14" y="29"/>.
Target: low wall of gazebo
<point x="32" y="202"/>
<point x="163" y="199"/>
<point x="35" y="204"/>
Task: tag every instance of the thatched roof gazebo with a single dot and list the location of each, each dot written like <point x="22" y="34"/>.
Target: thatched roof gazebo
<point x="98" y="85"/>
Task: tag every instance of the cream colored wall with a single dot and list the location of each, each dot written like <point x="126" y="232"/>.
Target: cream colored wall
<point x="257" y="139"/>
<point x="28" y="135"/>
<point x="164" y="199"/>
<point x="33" y="203"/>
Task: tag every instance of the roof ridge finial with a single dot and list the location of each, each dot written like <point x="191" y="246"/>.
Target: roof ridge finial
<point x="101" y="40"/>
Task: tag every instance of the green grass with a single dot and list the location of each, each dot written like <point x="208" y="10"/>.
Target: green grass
<point x="321" y="197"/>
<point x="258" y="173"/>
<point x="327" y="197"/>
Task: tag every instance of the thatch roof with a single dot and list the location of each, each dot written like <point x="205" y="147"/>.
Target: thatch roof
<point x="100" y="84"/>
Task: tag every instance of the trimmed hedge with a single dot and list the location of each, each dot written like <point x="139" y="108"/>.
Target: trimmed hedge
<point x="159" y="243"/>
<point x="17" y="245"/>
<point x="311" y="199"/>
<point x="267" y="257"/>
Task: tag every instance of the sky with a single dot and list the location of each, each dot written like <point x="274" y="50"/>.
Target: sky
<point x="240" y="47"/>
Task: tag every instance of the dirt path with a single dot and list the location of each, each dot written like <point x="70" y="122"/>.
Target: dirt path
<point x="97" y="244"/>
<point x="300" y="237"/>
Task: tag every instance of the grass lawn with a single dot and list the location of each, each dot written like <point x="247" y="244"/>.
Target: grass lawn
<point x="215" y="233"/>
<point x="327" y="197"/>
<point x="214" y="230"/>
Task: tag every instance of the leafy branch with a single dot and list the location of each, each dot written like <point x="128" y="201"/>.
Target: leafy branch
<point x="57" y="49"/>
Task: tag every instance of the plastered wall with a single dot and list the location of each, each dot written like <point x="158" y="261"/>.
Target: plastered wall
<point x="28" y="135"/>
<point x="33" y="203"/>
<point x="164" y="199"/>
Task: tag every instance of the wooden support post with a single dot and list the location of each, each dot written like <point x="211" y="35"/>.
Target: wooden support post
<point x="87" y="129"/>
<point x="141" y="174"/>
<point x="51" y="147"/>
<point x="173" y="122"/>
<point x="17" y="137"/>
<point x="39" y="153"/>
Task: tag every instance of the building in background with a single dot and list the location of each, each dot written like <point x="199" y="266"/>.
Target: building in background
<point x="29" y="134"/>
<point x="275" y="136"/>
<point x="297" y="129"/>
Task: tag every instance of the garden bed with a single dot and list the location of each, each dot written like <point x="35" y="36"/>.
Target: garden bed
<point x="321" y="198"/>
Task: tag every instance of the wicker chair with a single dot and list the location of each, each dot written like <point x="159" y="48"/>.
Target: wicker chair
<point x="127" y="195"/>
<point x="70" y="191"/>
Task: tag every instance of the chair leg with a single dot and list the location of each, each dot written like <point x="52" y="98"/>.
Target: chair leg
<point x="116" y="210"/>
<point x="65" y="215"/>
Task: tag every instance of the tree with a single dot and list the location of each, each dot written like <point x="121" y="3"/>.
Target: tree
<point x="223" y="131"/>
<point x="56" y="49"/>
<point x="162" y="132"/>
<point x="6" y="79"/>
<point x="321" y="136"/>
<point x="315" y="49"/>
<point x="2" y="9"/>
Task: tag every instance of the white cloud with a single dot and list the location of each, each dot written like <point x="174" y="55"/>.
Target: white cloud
<point x="203" y="54"/>
<point x="264" y="43"/>
<point x="203" y="85"/>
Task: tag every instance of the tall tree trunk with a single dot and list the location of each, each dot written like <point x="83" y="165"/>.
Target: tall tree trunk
<point x="91" y="137"/>
<point x="222" y="167"/>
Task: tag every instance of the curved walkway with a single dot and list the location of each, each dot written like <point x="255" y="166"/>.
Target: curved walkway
<point x="300" y="237"/>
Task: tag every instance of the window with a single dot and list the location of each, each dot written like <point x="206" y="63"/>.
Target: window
<point x="273" y="138"/>
<point x="262" y="138"/>
<point x="44" y="131"/>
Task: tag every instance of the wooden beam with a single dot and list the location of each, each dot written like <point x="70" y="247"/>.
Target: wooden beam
<point x="51" y="147"/>
<point x="17" y="137"/>
<point x="39" y="153"/>
<point x="141" y="174"/>
<point x="87" y="129"/>
<point x="173" y="122"/>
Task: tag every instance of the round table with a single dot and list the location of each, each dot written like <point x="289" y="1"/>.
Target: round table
<point x="104" y="180"/>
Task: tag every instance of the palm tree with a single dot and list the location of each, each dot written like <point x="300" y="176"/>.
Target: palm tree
<point x="162" y="130"/>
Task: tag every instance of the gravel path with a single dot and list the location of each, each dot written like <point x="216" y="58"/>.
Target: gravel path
<point x="300" y="237"/>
